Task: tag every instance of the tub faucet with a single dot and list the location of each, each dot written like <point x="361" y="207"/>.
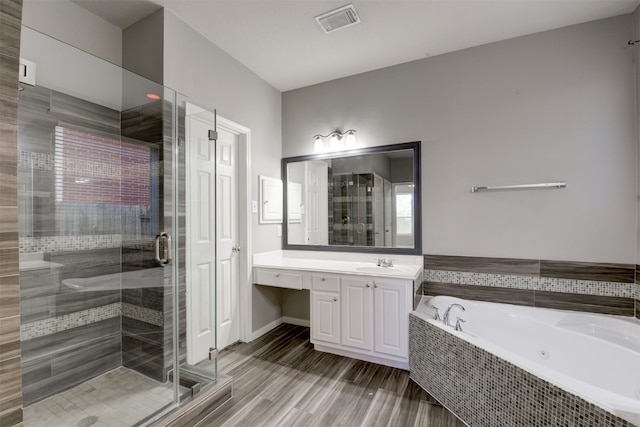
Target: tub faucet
<point x="436" y="316"/>
<point x="445" y="318"/>
<point x="459" y="322"/>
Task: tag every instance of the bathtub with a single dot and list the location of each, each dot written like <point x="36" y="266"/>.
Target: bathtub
<point x="591" y="362"/>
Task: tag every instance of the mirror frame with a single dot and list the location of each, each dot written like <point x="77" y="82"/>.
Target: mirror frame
<point x="417" y="200"/>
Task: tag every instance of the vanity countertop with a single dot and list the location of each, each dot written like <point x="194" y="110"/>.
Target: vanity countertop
<point x="404" y="268"/>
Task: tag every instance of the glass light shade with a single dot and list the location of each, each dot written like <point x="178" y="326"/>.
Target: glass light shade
<point x="351" y="141"/>
<point x="334" y="143"/>
<point x="318" y="145"/>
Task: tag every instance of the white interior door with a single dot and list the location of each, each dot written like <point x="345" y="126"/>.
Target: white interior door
<point x="317" y="203"/>
<point x="201" y="241"/>
<point x="227" y="263"/>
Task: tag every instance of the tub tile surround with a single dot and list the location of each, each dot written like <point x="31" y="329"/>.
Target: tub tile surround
<point x="493" y="394"/>
<point x="592" y="287"/>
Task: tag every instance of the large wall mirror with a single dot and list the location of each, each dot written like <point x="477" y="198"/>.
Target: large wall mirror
<point x="365" y="200"/>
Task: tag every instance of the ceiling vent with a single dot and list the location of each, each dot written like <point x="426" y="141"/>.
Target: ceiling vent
<point x="338" y="18"/>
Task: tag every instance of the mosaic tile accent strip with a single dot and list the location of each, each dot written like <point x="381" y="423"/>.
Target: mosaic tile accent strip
<point x="47" y="162"/>
<point x="586" y="287"/>
<point x="484" y="390"/>
<point x="69" y="243"/>
<point x="481" y="279"/>
<point x="40" y="161"/>
<point x="50" y="326"/>
<point x="143" y="314"/>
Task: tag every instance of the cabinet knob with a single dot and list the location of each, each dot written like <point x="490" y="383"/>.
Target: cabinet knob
<point x="375" y="285"/>
<point x="323" y="279"/>
<point x="277" y="275"/>
<point x="368" y="285"/>
<point x="335" y="299"/>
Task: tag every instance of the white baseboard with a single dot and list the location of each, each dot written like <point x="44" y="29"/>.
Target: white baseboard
<point x="284" y="319"/>
<point x="266" y="328"/>
<point x="295" y="321"/>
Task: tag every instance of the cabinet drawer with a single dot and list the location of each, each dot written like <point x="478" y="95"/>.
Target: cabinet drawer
<point x="280" y="278"/>
<point x="320" y="282"/>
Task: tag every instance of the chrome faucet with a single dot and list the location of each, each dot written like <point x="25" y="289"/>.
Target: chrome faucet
<point x="445" y="318"/>
<point x="382" y="262"/>
<point x="459" y="322"/>
<point x="436" y="316"/>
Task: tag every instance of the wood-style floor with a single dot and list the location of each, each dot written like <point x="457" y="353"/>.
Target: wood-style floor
<point x="280" y="380"/>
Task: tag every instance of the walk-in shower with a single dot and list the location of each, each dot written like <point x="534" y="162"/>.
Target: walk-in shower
<point x="101" y="199"/>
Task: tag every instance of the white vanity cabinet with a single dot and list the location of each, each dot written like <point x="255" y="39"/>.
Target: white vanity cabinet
<point x="358" y="309"/>
<point x="325" y="309"/>
<point x="391" y="307"/>
<point x="362" y="317"/>
<point x="357" y="312"/>
<point x="279" y="278"/>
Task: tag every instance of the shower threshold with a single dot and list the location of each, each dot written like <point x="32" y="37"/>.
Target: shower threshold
<point x="118" y="398"/>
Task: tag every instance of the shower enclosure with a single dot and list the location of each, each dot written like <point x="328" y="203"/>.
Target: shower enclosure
<point x="102" y="243"/>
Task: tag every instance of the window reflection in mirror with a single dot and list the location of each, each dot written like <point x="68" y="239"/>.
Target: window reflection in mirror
<point x="366" y="200"/>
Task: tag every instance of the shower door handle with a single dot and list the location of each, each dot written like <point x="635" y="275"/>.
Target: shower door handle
<point x="166" y="248"/>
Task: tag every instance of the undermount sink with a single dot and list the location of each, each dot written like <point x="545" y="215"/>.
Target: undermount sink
<point x="377" y="270"/>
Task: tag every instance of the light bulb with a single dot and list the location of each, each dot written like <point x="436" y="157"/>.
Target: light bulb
<point x="318" y="146"/>
<point x="351" y="141"/>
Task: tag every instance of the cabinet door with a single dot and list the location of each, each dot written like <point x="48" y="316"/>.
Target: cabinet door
<point x="391" y="314"/>
<point x="325" y="317"/>
<point x="356" y="312"/>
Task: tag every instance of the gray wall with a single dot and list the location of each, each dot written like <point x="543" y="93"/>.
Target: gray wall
<point x="70" y="23"/>
<point x="401" y="170"/>
<point x="557" y="105"/>
<point x="142" y="47"/>
<point x="378" y="164"/>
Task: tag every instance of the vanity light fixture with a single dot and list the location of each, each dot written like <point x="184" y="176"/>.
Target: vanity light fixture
<point x="337" y="141"/>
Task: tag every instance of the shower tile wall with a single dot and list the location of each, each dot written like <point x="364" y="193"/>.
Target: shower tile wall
<point x="10" y="372"/>
<point x="88" y="209"/>
<point x="594" y="287"/>
<point x="143" y="307"/>
<point x="69" y="195"/>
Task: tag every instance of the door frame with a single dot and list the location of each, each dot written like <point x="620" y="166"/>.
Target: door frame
<point x="244" y="223"/>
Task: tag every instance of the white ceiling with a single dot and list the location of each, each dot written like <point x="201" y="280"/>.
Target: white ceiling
<point x="281" y="42"/>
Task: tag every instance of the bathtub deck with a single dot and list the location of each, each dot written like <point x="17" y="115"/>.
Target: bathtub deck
<point x="280" y="380"/>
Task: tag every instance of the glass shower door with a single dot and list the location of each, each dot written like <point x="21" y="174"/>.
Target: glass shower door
<point x="198" y="339"/>
<point x="99" y="168"/>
